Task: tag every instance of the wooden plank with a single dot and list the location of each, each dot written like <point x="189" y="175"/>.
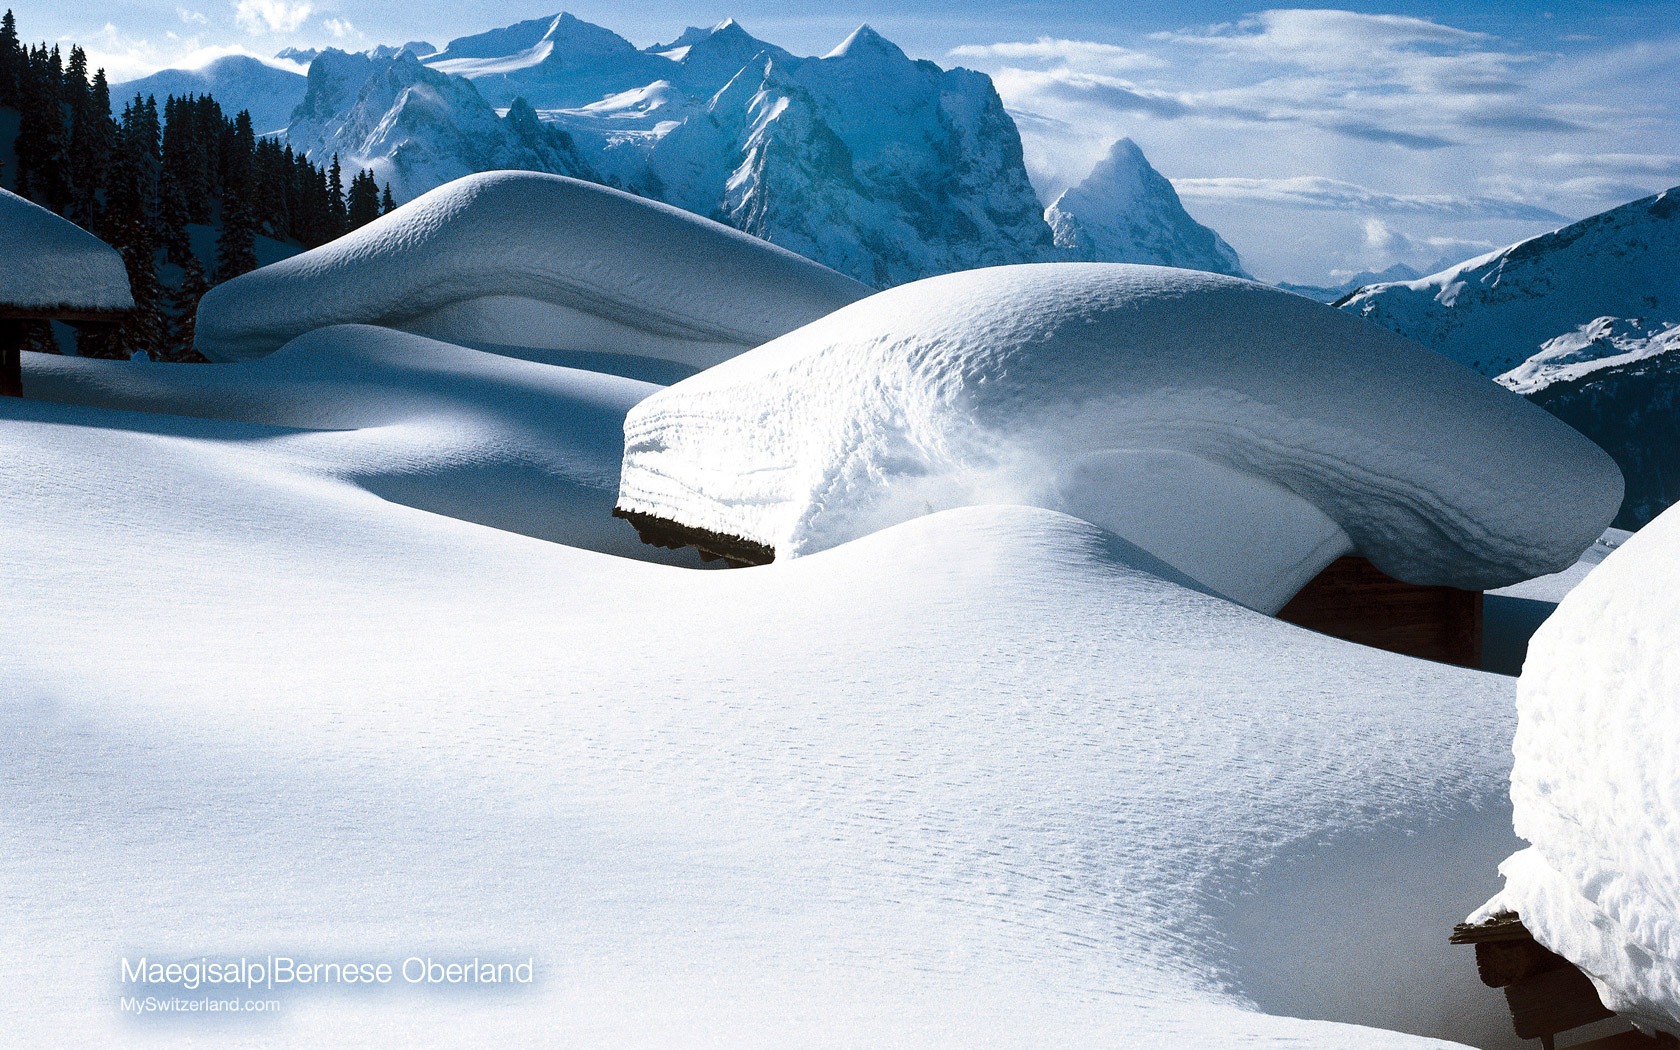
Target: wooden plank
<point x="1354" y="600"/>
<point x="1553" y="1001"/>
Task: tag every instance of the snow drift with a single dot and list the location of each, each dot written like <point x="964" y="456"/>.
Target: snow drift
<point x="51" y="265"/>
<point x="1244" y="435"/>
<point x="533" y="260"/>
<point x="1596" y="785"/>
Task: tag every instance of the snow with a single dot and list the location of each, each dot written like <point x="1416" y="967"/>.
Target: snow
<point x="1126" y="211"/>
<point x="1498" y="310"/>
<point x="269" y="89"/>
<point x="53" y="265"/>
<point x="535" y="261"/>
<point x="984" y="777"/>
<point x="1244" y="435"/>
<point x="1594" y="783"/>
<point x="1602" y="344"/>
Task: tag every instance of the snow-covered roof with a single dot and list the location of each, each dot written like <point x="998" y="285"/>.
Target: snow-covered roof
<point x="49" y="266"/>
<point x="1244" y="435"/>
<point x="1594" y="787"/>
<point x="533" y="260"/>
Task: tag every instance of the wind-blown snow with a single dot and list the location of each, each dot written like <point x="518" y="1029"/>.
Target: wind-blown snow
<point x="537" y="261"/>
<point x="1595" y="783"/>
<point x="981" y="778"/>
<point x="48" y="263"/>
<point x="1244" y="435"/>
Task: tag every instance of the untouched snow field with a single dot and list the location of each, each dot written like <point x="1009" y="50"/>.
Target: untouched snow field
<point x="1245" y="435"/>
<point x="1595" y="785"/>
<point x="988" y="777"/>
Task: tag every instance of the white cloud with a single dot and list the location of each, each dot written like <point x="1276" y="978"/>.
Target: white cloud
<point x="192" y="17"/>
<point x="271" y="16"/>
<point x="340" y="28"/>
<point x="1054" y="51"/>
<point x="1317" y="192"/>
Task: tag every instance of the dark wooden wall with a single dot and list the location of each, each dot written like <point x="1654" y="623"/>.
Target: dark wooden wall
<point x="1353" y="599"/>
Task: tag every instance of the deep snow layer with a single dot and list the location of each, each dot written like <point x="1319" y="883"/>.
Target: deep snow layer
<point x="1596" y="787"/>
<point x="53" y="265"/>
<point x="533" y="260"/>
<point x="975" y="779"/>
<point x="1244" y="435"/>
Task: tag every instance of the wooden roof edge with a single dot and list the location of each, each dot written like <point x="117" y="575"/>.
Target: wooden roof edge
<point x="1503" y="926"/>
<point x="67" y="314"/>
<point x="656" y="531"/>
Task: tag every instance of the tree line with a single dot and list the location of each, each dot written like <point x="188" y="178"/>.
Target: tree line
<point x="139" y="180"/>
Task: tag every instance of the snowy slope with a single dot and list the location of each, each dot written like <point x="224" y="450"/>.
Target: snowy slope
<point x="270" y="90"/>
<point x="1496" y="311"/>
<point x="976" y="779"/>
<point x="1246" y="436"/>
<point x="418" y="128"/>
<point x="1331" y="293"/>
<point x="49" y="264"/>
<point x="1614" y="380"/>
<point x="1594" y="785"/>
<point x="537" y="262"/>
<point x="1126" y="211"/>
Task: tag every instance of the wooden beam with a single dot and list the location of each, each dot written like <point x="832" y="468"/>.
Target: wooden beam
<point x="11" y="358"/>
<point x="1355" y="600"/>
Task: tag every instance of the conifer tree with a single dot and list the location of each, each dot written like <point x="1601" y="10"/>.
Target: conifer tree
<point x="363" y="202"/>
<point x="12" y="61"/>
<point x="236" y="247"/>
<point x="387" y="203"/>
<point x="338" y="212"/>
<point x="183" y="310"/>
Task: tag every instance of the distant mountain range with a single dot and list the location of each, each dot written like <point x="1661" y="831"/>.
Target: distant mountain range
<point x="1584" y="321"/>
<point x="883" y="167"/>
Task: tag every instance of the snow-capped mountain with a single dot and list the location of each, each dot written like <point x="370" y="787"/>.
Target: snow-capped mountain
<point x="1583" y="321"/>
<point x="1126" y="211"/>
<point x="1496" y="311"/>
<point x="270" y="91"/>
<point x="881" y="166"/>
<point x="1329" y="293"/>
<point x="418" y="128"/>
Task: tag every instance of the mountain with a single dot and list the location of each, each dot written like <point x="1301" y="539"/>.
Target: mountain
<point x="1584" y="321"/>
<point x="1496" y="311"/>
<point x="1126" y="211"/>
<point x="238" y="82"/>
<point x="1329" y="293"/>
<point x="553" y="63"/>
<point x="881" y="166"/>
<point x="418" y="128"/>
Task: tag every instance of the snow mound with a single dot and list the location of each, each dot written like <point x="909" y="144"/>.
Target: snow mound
<point x="1244" y="435"/>
<point x="533" y="260"/>
<point x="1596" y="785"/>
<point x="516" y="445"/>
<point x="49" y="264"/>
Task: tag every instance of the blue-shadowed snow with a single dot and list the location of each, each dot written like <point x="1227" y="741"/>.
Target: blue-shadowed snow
<point x="983" y="777"/>
<point x="1242" y="434"/>
<point x="538" y="261"/>
<point x="48" y="263"/>
<point x="1596" y="788"/>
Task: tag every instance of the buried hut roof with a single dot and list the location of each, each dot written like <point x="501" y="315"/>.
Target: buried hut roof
<point x="1246" y="436"/>
<point x="533" y="260"/>
<point x="52" y="268"/>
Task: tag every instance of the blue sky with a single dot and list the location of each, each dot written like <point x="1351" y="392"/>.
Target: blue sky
<point x="1315" y="140"/>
